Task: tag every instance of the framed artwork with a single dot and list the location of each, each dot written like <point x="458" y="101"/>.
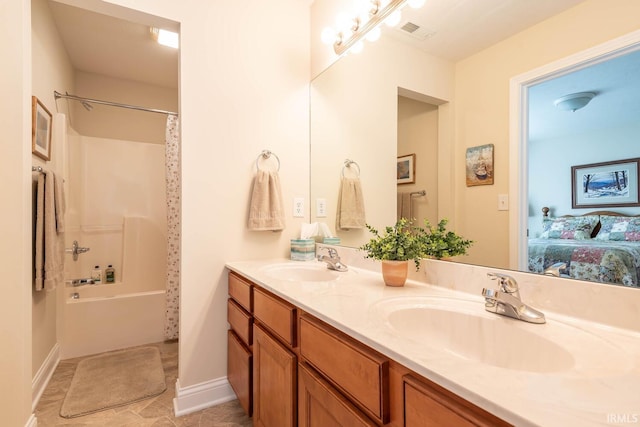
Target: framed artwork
<point x="406" y="169"/>
<point x="41" y="121"/>
<point x="479" y="165"/>
<point x="605" y="184"/>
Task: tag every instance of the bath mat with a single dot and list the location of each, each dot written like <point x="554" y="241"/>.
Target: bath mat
<point x="114" y="379"/>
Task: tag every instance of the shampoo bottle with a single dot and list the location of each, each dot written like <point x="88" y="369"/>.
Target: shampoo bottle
<point x="110" y="274"/>
<point x="96" y="274"/>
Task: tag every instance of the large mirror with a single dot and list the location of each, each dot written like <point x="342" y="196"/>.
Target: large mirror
<point x="394" y="100"/>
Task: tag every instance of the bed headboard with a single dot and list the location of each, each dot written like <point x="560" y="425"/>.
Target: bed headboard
<point x="546" y="210"/>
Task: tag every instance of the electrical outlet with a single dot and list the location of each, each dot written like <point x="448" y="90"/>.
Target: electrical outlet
<point x="298" y="207"/>
<point x="321" y="208"/>
<point x="503" y="202"/>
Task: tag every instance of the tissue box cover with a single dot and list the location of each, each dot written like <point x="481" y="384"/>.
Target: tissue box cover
<point x="331" y="240"/>
<point x="303" y="249"/>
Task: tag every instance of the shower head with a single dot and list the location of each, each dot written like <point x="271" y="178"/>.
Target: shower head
<point x="86" y="105"/>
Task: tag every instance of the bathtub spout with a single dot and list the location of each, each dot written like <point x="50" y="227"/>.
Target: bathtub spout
<point x="80" y="282"/>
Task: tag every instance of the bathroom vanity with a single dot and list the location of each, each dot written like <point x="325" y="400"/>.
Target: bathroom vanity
<point x="313" y="347"/>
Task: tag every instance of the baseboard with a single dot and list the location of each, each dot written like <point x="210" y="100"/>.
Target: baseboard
<point x="200" y="396"/>
<point x="32" y="421"/>
<point x="42" y="377"/>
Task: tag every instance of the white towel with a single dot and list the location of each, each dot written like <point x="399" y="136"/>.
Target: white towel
<point x="266" y="211"/>
<point x="350" y="212"/>
<point x="49" y="241"/>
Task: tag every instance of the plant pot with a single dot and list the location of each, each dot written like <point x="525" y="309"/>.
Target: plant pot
<point x="394" y="273"/>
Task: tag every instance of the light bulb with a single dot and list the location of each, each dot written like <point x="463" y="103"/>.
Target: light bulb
<point x="393" y="19"/>
<point x="358" y="47"/>
<point x="416" y="4"/>
<point x="328" y="36"/>
<point x="374" y="34"/>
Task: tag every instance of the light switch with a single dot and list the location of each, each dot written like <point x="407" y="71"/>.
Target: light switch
<point x="503" y="202"/>
<point x="298" y="207"/>
<point x="321" y="208"/>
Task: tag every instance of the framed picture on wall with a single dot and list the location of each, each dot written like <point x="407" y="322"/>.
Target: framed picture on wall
<point x="605" y="184"/>
<point x="41" y="122"/>
<point x="406" y="169"/>
<point x="479" y="165"/>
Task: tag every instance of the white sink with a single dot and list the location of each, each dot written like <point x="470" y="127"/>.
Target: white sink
<point x="463" y="328"/>
<point x="301" y="272"/>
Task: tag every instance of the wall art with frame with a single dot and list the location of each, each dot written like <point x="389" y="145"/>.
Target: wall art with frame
<point x="605" y="184"/>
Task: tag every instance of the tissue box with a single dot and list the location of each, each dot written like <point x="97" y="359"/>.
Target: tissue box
<point x="303" y="249"/>
<point x="331" y="240"/>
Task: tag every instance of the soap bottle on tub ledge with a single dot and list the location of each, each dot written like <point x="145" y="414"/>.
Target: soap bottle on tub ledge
<point x="110" y="274"/>
<point x="96" y="275"/>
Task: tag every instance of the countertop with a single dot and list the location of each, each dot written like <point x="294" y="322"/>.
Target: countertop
<point x="597" y="385"/>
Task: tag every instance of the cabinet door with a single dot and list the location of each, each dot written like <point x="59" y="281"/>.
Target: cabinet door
<point x="239" y="370"/>
<point x="428" y="405"/>
<point x="321" y="405"/>
<point x="274" y="382"/>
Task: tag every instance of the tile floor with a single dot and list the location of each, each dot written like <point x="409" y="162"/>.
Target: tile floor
<point x="154" y="412"/>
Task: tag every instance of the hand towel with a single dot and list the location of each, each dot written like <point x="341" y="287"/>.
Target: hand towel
<point x="350" y="205"/>
<point x="405" y="206"/>
<point x="266" y="211"/>
<point x="50" y="245"/>
<point x="38" y="262"/>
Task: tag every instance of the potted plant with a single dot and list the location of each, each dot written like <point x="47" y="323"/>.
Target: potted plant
<point x="395" y="247"/>
<point x="439" y="243"/>
<point x="405" y="241"/>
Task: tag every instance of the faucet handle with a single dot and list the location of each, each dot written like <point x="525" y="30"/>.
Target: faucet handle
<point x="507" y="283"/>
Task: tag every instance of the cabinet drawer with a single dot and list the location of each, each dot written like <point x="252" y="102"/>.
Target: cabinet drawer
<point x="241" y="322"/>
<point x="240" y="290"/>
<point x="354" y="369"/>
<point x="429" y="405"/>
<point x="240" y="371"/>
<point x="321" y="405"/>
<point x="277" y="315"/>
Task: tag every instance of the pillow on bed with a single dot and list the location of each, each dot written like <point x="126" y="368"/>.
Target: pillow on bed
<point x="619" y="228"/>
<point x="578" y="228"/>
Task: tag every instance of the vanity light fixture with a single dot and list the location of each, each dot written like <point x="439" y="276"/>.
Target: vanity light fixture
<point x="349" y="32"/>
<point x="165" y="37"/>
<point x="574" y="101"/>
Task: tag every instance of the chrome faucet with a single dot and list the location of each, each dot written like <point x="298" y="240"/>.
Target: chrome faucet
<point x="332" y="259"/>
<point x="506" y="301"/>
<point x="554" y="269"/>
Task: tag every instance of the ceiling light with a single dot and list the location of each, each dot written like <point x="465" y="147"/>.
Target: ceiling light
<point x="574" y="101"/>
<point x="165" y="37"/>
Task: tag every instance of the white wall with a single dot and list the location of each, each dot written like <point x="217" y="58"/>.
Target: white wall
<point x="15" y="193"/>
<point x="547" y="157"/>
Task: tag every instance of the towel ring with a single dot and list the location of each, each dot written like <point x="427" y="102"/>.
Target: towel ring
<point x="266" y="154"/>
<point x="347" y="164"/>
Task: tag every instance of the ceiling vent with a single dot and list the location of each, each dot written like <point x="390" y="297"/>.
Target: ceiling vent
<point x="416" y="31"/>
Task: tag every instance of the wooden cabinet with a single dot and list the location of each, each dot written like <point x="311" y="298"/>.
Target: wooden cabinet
<point x="353" y="368"/>
<point x="289" y="368"/>
<point x="429" y="405"/>
<point x="274" y="382"/>
<point x="321" y="405"/>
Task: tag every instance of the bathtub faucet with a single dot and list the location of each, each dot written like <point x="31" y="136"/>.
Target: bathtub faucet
<point x="80" y="282"/>
<point x="76" y="249"/>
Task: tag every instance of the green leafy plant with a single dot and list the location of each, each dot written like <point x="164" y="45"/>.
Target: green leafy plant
<point x="404" y="241"/>
<point x="401" y="242"/>
<point x="440" y="243"/>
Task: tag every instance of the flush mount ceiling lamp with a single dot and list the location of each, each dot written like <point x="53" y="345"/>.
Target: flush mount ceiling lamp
<point x="574" y="101"/>
<point x="371" y="13"/>
<point x="165" y="37"/>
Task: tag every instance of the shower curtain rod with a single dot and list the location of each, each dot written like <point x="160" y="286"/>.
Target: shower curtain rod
<point x="57" y="95"/>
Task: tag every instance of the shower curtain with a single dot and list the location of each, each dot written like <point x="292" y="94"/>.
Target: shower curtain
<point x="172" y="157"/>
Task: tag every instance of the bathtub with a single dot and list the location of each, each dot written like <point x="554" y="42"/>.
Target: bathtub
<point x="105" y="318"/>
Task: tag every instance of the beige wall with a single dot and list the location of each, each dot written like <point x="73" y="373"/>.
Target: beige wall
<point x="15" y="193"/>
<point x="118" y="123"/>
<point x="51" y="70"/>
<point x="482" y="108"/>
<point x="418" y="134"/>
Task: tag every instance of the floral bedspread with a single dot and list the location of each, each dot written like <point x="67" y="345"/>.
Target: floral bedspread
<point x="592" y="260"/>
